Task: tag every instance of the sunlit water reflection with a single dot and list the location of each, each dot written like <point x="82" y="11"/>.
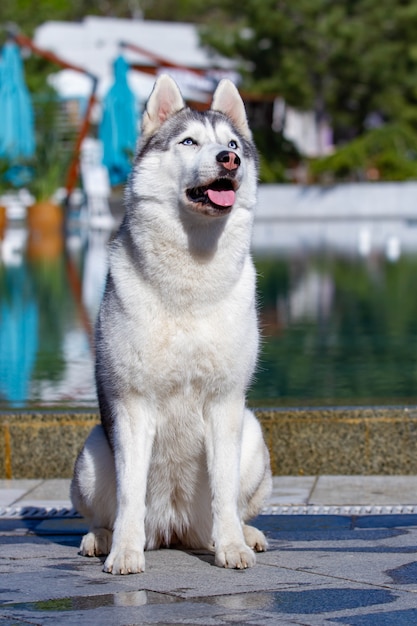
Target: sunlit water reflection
<point x="339" y="327"/>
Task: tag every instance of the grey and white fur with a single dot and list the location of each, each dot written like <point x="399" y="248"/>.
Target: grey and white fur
<point x="178" y="458"/>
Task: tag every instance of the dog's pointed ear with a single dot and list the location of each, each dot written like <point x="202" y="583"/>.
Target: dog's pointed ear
<point x="227" y="100"/>
<point x="164" y="101"/>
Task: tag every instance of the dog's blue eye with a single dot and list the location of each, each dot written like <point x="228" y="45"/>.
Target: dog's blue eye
<point x="189" y="142"/>
<point x="233" y="145"/>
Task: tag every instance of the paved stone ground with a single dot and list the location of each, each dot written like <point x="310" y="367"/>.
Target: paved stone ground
<point x="320" y="569"/>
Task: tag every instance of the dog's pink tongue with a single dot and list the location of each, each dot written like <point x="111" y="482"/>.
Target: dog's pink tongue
<point x="222" y="198"/>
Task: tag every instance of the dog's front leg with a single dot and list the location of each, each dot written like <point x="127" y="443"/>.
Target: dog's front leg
<point x="223" y="442"/>
<point x="133" y="439"/>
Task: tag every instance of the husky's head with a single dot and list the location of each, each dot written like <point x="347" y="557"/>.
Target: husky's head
<point x="204" y="163"/>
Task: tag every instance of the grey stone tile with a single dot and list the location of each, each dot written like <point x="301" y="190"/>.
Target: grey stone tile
<point x="48" y="494"/>
<point x="332" y="574"/>
<point x="56" y="488"/>
<point x="357" y="490"/>
<point x="288" y="490"/>
<point x="43" y="504"/>
<point x="13" y="490"/>
<point x="404" y="617"/>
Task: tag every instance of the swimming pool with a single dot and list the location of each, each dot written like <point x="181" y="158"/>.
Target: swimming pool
<point x="339" y="326"/>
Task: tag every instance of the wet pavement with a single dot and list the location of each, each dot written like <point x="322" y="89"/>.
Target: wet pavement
<point x="343" y="550"/>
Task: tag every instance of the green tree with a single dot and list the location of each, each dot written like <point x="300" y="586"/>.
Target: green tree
<point x="28" y="14"/>
<point x="172" y="10"/>
<point x="346" y="60"/>
<point x="385" y="153"/>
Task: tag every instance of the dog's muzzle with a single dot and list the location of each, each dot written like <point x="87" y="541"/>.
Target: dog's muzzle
<point x="218" y="196"/>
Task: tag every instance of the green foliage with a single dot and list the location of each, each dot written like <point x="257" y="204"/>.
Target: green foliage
<point x="386" y="153"/>
<point x="48" y="173"/>
<point x="37" y="70"/>
<point x="50" y="163"/>
<point x="344" y="60"/>
<point x="276" y="155"/>
<point x="4" y="167"/>
<point x="172" y="10"/>
<point x="28" y="14"/>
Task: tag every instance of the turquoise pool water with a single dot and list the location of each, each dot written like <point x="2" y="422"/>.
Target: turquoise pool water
<point x="338" y="328"/>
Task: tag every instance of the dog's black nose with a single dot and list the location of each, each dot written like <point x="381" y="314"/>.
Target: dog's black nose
<point x="229" y="160"/>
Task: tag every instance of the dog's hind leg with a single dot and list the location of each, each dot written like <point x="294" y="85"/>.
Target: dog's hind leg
<point x="93" y="492"/>
<point x="255" y="479"/>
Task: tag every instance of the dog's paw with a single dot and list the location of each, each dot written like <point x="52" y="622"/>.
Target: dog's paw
<point x="235" y="557"/>
<point x="125" y="562"/>
<point x="96" y="543"/>
<point x="254" y="538"/>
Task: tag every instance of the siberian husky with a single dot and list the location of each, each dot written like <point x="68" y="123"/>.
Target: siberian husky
<point x="177" y="457"/>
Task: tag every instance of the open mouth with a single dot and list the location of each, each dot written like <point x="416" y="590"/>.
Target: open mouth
<point x="219" y="194"/>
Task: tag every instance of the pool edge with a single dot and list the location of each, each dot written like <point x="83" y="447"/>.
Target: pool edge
<point x="302" y="441"/>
